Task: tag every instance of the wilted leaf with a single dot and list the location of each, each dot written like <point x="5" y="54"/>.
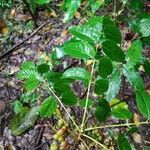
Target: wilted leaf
<point x="23" y="120"/>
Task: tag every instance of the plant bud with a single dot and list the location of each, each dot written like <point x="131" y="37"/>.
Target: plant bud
<point x="60" y="122"/>
<point x="54" y="146"/>
<point x="60" y="132"/>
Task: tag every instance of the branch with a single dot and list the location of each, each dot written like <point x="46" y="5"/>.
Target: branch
<point x="17" y="45"/>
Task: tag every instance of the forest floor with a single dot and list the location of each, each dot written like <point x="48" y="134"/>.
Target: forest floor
<point x="54" y="33"/>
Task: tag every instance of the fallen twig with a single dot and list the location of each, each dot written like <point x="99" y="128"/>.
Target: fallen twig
<point x="15" y="46"/>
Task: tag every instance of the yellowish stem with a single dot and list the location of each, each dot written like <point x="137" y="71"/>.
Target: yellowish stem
<point x="87" y="97"/>
<point x="95" y="141"/>
<point x="117" y="125"/>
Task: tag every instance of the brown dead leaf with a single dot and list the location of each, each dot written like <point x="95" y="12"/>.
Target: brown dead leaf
<point x="12" y="13"/>
<point x="53" y="14"/>
<point x="137" y="138"/>
<point x="22" y="17"/>
<point x="3" y="28"/>
<point x="13" y="69"/>
<point x="5" y="31"/>
<point x="64" y="33"/>
<point x="77" y="15"/>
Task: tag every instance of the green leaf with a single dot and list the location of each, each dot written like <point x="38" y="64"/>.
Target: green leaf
<point x="90" y="32"/>
<point x="43" y="68"/>
<point x="25" y="74"/>
<point x="113" y="51"/>
<point x="143" y="102"/>
<point x="31" y="83"/>
<point x="48" y="107"/>
<point x="95" y="5"/>
<point x="114" y="85"/>
<point x="71" y="7"/>
<point x="105" y="67"/>
<point x="79" y="49"/>
<point x="77" y="74"/>
<point x="111" y="31"/>
<point x="134" y="52"/>
<point x="28" y="65"/>
<point x="137" y="4"/>
<point x="23" y="120"/>
<point x="121" y="113"/>
<point x="69" y="98"/>
<point x="101" y="86"/>
<point x="123" y="143"/>
<point x="17" y="107"/>
<point x="102" y="110"/>
<point x="82" y="103"/>
<point x="141" y="25"/>
<point x="133" y="77"/>
<point x="41" y="2"/>
<point x="146" y="66"/>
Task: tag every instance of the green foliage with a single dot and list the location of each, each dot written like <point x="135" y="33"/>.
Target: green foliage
<point x="48" y="107"/>
<point x="101" y="86"/>
<point x="104" y="64"/>
<point x="123" y="143"/>
<point x="102" y="110"/>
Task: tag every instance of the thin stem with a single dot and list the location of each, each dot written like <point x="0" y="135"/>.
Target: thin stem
<point x="53" y="93"/>
<point x="87" y="97"/>
<point x="117" y="125"/>
<point x="100" y="144"/>
<point x="84" y="144"/>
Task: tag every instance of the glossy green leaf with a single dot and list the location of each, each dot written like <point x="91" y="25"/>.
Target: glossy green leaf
<point x="110" y="30"/>
<point x="41" y="2"/>
<point x="43" y="68"/>
<point x="91" y="32"/>
<point x="113" y="51"/>
<point x="31" y="83"/>
<point x="134" y="52"/>
<point x="69" y="98"/>
<point x="123" y="143"/>
<point x="133" y="77"/>
<point x="143" y="102"/>
<point x="105" y="67"/>
<point x="23" y="120"/>
<point x="102" y="110"/>
<point x="79" y="49"/>
<point x="77" y="74"/>
<point x="48" y="107"/>
<point x="101" y="86"/>
<point x="121" y="113"/>
<point x="114" y="85"/>
<point x="82" y="103"/>
<point x="146" y="66"/>
<point x="71" y="7"/>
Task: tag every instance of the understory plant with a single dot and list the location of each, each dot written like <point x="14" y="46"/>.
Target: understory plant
<point x="101" y="61"/>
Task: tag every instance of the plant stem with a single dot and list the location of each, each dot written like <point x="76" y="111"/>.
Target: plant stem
<point x="117" y="125"/>
<point x="95" y="141"/>
<point x="84" y="144"/>
<point x="53" y="93"/>
<point x="87" y="98"/>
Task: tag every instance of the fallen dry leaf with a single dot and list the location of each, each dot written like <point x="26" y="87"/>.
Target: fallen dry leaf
<point x="137" y="138"/>
<point x="77" y="15"/>
<point x="53" y="14"/>
<point x="12" y="13"/>
<point x="64" y="33"/>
